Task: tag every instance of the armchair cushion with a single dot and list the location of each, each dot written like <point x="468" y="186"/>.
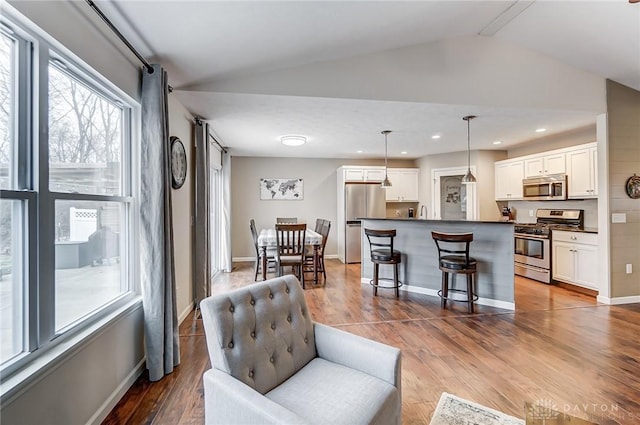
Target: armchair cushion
<point x="324" y="392"/>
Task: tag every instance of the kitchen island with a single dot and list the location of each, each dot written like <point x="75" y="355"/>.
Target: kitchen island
<point x="492" y="247"/>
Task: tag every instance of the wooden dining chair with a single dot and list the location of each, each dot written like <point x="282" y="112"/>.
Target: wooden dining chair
<point x="290" y="248"/>
<point x="322" y="227"/>
<point x="271" y="260"/>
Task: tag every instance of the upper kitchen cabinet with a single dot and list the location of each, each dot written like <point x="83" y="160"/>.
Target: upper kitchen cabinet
<point x="404" y="184"/>
<point x="582" y="171"/>
<point x="508" y="178"/>
<point x="363" y="174"/>
<point x="544" y="165"/>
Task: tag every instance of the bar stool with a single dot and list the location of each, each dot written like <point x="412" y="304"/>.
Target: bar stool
<point x="382" y="252"/>
<point x="456" y="261"/>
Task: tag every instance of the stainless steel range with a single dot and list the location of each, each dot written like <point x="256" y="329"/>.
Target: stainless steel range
<point x="533" y="241"/>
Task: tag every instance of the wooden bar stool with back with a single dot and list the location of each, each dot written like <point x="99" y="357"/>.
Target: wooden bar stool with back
<point x="382" y="252"/>
<point x="453" y="258"/>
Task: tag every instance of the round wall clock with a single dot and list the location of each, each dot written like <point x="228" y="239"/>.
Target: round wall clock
<point x="178" y="163"/>
<point x="633" y="187"/>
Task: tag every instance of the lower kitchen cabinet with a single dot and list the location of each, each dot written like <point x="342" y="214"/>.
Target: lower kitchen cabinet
<point x="575" y="258"/>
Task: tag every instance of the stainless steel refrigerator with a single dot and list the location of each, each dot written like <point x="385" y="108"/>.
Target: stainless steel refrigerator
<point x="361" y="200"/>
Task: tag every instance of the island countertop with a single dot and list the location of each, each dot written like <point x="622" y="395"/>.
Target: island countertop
<point x="430" y="220"/>
<point x="492" y="247"/>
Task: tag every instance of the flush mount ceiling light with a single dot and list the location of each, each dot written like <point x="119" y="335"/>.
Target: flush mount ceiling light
<point x="497" y="142"/>
<point x="469" y="177"/>
<point x="540" y="130"/>
<point x="435" y="136"/>
<point x="293" y="140"/>
<point x="385" y="183"/>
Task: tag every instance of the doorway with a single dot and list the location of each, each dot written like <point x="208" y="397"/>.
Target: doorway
<point x="450" y="198"/>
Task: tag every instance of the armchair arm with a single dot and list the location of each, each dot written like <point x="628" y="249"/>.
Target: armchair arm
<point x="229" y="401"/>
<point x="368" y="356"/>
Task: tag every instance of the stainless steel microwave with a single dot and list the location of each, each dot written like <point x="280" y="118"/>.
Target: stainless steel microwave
<point x="547" y="188"/>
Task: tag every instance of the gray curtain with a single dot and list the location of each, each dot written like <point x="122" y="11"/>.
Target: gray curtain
<point x="156" y="231"/>
<point x="202" y="236"/>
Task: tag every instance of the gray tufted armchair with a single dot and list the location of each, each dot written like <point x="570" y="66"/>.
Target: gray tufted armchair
<point x="271" y="364"/>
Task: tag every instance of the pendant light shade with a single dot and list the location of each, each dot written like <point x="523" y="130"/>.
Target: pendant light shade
<point x="385" y="183"/>
<point x="469" y="177"/>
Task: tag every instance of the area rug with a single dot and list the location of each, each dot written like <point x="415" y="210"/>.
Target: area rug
<point x="452" y="410"/>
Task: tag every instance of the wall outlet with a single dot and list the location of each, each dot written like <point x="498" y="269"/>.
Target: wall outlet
<point x="619" y="218"/>
<point x="530" y="213"/>
<point x="397" y="213"/>
<point x="629" y="268"/>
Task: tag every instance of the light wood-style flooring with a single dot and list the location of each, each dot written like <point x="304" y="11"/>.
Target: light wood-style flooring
<point x="559" y="347"/>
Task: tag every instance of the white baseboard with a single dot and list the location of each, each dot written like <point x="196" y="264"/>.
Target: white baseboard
<point x="243" y="259"/>
<point x="117" y="394"/>
<point x="434" y="293"/>
<point x="185" y="313"/>
<point x="619" y="300"/>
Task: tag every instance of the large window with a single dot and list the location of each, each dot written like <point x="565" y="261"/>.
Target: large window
<point x="66" y="204"/>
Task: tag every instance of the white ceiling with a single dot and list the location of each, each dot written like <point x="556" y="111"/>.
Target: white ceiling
<point x="339" y="72"/>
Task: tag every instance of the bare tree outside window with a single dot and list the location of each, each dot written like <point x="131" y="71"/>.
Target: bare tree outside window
<point x="85" y="138"/>
<point x="6" y="102"/>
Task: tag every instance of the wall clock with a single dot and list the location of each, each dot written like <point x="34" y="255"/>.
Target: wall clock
<point x="633" y="187"/>
<point x="178" y="163"/>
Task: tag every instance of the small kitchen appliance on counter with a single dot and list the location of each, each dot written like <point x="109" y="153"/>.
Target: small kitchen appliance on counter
<point x="506" y="214"/>
<point x="412" y="213"/>
<point x="533" y="241"/>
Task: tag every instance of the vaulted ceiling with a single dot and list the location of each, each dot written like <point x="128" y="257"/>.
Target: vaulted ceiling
<point x="339" y="72"/>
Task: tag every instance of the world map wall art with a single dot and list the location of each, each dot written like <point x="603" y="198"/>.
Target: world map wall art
<point x="281" y="189"/>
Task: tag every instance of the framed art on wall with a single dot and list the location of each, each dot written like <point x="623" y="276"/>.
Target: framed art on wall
<point x="281" y="189"/>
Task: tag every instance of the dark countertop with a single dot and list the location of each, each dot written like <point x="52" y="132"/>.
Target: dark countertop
<point x="422" y="220"/>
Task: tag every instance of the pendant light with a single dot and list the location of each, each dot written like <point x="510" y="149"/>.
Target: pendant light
<point x="385" y="183"/>
<point x="469" y="177"/>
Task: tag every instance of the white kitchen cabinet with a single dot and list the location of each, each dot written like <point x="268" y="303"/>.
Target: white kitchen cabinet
<point x="354" y="175"/>
<point x="376" y="175"/>
<point x="508" y="180"/>
<point x="575" y="258"/>
<point x="544" y="165"/>
<point x="404" y="185"/>
<point x="363" y="174"/>
<point x="582" y="170"/>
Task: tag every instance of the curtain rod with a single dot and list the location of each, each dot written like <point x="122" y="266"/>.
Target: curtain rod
<point x="122" y="38"/>
<point x="199" y="121"/>
<point x="218" y="143"/>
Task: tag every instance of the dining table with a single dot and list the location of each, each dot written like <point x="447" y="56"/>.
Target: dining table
<point x="268" y="239"/>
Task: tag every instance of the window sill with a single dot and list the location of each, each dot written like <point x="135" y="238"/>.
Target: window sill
<point x="41" y="365"/>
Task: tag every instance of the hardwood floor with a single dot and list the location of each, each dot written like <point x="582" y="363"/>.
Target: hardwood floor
<point x="559" y="347"/>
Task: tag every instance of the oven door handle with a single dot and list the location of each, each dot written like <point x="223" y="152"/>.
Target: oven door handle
<point x="528" y="236"/>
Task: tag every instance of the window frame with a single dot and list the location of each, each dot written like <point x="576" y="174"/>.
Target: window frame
<point x="35" y="52"/>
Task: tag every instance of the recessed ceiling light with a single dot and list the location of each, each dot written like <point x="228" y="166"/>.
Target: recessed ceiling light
<point x="403" y="152"/>
<point x="497" y="142"/>
<point x="435" y="136"/>
<point x="540" y="130"/>
<point x="293" y="140"/>
<point x="359" y="151"/>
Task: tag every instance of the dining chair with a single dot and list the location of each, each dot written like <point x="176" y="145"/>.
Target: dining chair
<point x="286" y="220"/>
<point x="271" y="252"/>
<point x="290" y="248"/>
<point x="322" y="227"/>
